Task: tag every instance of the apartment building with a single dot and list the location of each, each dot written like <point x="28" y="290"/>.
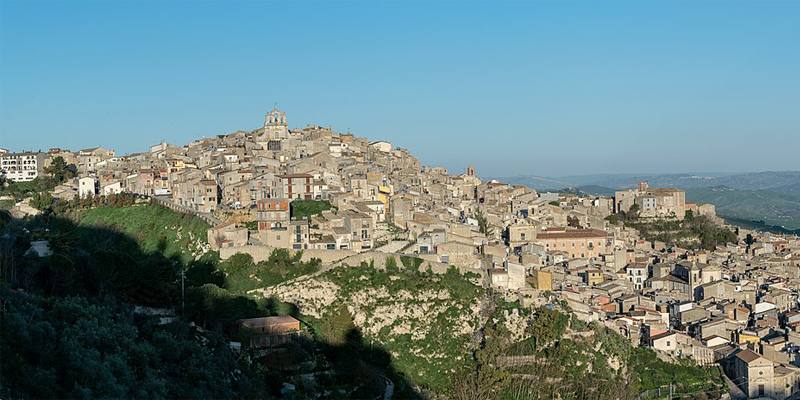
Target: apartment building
<point x="22" y="167"/>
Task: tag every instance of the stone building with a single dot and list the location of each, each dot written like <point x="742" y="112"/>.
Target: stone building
<point x="275" y="125"/>
<point x="652" y="202"/>
<point x="578" y="243"/>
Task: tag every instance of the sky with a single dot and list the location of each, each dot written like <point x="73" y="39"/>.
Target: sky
<point x="549" y="88"/>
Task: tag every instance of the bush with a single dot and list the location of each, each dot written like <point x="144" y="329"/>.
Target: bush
<point x="305" y="209"/>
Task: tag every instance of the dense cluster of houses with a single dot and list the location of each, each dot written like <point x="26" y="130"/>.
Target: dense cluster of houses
<point x="735" y="305"/>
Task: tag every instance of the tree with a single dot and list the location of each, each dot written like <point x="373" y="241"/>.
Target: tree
<point x="483" y="223"/>
<point x="80" y="348"/>
<point x="336" y="325"/>
<point x="547" y="326"/>
<point x="484" y="378"/>
<point x="633" y="212"/>
<point x="42" y="201"/>
<point x="749" y="240"/>
<point x="59" y="171"/>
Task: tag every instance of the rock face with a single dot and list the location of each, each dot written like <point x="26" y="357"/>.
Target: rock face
<point x="424" y="320"/>
<point x="312" y="295"/>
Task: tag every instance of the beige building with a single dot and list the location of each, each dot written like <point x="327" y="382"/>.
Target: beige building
<point x="540" y="279"/>
<point x="89" y="158"/>
<point x="276" y="126"/>
<point x="578" y="243"/>
<point x="272" y="213"/>
<point x="652" y="202"/>
<point x="754" y="374"/>
<point x="296" y="186"/>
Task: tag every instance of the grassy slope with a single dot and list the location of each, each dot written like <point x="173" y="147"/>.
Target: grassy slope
<point x="6" y="204"/>
<point x="154" y="228"/>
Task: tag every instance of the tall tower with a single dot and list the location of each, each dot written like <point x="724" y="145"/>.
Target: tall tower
<point x="275" y="125"/>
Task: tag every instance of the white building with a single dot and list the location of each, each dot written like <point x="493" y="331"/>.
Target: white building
<point x="114" y="188"/>
<point x="22" y="167"/>
<point x="87" y="186"/>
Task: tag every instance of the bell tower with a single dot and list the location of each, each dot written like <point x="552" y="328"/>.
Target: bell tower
<point x="275" y="125"/>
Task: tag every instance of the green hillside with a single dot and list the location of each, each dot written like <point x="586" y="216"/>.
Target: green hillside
<point x="155" y="228"/>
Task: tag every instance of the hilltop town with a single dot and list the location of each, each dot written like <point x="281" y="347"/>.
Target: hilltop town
<point x="660" y="272"/>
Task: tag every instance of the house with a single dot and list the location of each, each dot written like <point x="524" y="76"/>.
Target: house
<point x="666" y="342"/>
<point x="458" y="254"/>
<point x="268" y="332"/>
<point x="541" y="279"/>
<point x="637" y="274"/>
<point x="361" y="227"/>
<point x="87" y="186"/>
<point x="296" y="186"/>
<point x="291" y="235"/>
<point x="89" y="158"/>
<point x="114" y="187"/>
<point x="272" y="212"/>
<point x="227" y="235"/>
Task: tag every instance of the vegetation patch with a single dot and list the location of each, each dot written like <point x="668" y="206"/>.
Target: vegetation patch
<point x="304" y="209"/>
<point x="155" y="228"/>
<point x="692" y="233"/>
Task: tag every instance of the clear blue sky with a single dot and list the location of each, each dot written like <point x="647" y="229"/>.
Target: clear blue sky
<point x="546" y="88"/>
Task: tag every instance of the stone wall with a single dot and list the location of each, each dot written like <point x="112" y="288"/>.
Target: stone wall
<point x="261" y="253"/>
<point x="343" y="257"/>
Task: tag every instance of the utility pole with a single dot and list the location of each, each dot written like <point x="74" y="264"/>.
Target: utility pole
<point x="183" y="293"/>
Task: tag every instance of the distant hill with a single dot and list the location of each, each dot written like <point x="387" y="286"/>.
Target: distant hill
<point x="773" y="208"/>
<point x="763" y="198"/>
<point x="537" y="182"/>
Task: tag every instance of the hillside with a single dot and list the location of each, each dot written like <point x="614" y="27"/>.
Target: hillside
<point x="365" y="329"/>
<point x="424" y="320"/>
<point x="446" y="336"/>
<point x="155" y="228"/>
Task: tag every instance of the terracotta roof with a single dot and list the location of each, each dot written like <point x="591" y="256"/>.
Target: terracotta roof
<point x="747" y="356"/>
<point x="662" y="335"/>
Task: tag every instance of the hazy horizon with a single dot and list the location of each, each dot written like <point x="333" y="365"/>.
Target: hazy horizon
<point x="547" y="89"/>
